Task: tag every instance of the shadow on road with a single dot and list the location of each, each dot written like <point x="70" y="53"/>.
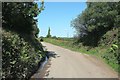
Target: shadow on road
<point x="52" y="54"/>
<point x="43" y="69"/>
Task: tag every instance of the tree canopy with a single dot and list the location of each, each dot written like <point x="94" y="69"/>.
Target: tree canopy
<point x="19" y="17"/>
<point x="95" y="21"/>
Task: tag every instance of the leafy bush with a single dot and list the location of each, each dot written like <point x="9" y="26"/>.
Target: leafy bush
<point x="112" y="56"/>
<point x="109" y="38"/>
<point x="54" y="37"/>
<point x="19" y="58"/>
<point x="95" y="21"/>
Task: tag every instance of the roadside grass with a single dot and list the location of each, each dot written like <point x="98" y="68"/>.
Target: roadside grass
<point x="97" y="51"/>
<point x="69" y="45"/>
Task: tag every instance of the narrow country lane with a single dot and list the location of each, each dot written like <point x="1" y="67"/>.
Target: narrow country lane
<point x="70" y="64"/>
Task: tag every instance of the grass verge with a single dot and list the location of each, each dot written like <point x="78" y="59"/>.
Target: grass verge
<point x="97" y="51"/>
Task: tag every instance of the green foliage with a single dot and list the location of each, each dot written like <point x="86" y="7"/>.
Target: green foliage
<point x="109" y="38"/>
<point x="19" y="17"/>
<point x="21" y="51"/>
<point x="54" y="37"/>
<point x="112" y="56"/>
<point x="48" y="35"/>
<point x="95" y="21"/>
<point x="19" y="58"/>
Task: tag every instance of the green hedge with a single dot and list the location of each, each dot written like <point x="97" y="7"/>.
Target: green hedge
<point x="112" y="57"/>
<point x="19" y="58"/>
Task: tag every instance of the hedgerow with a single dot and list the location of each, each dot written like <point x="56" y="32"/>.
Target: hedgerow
<point x="19" y="58"/>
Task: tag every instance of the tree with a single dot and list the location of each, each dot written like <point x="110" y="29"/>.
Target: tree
<point x="48" y="35"/>
<point x="19" y="17"/>
<point x="95" y="21"/>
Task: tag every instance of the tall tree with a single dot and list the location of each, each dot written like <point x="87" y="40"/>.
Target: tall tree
<point x="48" y="35"/>
<point x="95" y="21"/>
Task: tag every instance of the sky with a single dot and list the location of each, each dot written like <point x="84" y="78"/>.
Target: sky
<point x="58" y="16"/>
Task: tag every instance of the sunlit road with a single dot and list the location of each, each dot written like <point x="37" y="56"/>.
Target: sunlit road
<point x="69" y="64"/>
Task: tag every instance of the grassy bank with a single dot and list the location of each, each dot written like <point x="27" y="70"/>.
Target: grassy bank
<point x="69" y="45"/>
<point x="97" y="51"/>
<point x="20" y="58"/>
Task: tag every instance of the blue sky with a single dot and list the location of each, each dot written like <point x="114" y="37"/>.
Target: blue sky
<point x="58" y="16"/>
